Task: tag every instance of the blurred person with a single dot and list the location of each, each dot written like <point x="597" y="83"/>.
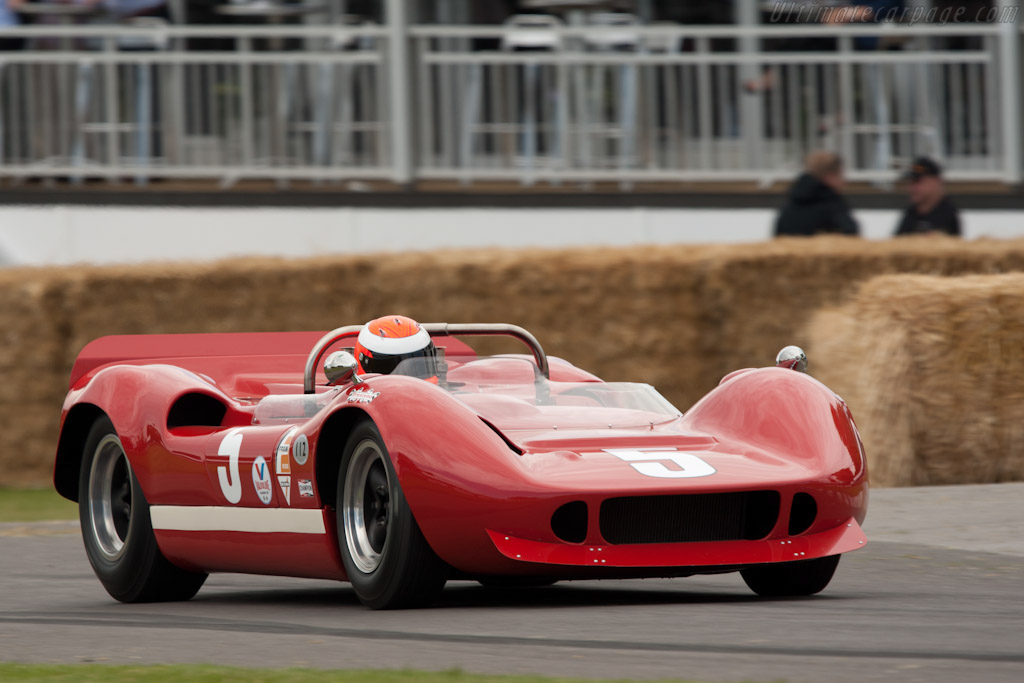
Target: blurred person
<point x="8" y="18"/>
<point x="860" y="11"/>
<point x="125" y="9"/>
<point x="931" y="210"/>
<point x="105" y="12"/>
<point x="119" y="9"/>
<point x="815" y="204"/>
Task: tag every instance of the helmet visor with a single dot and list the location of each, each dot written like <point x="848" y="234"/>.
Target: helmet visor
<point x="421" y="363"/>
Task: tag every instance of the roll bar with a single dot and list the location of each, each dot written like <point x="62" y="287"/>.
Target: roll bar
<point x="435" y="330"/>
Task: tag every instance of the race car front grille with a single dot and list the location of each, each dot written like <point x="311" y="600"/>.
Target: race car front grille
<point x="744" y="515"/>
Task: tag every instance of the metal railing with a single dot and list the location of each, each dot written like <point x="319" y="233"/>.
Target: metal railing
<point x="282" y="103"/>
<point x="521" y="103"/>
<point x="651" y="112"/>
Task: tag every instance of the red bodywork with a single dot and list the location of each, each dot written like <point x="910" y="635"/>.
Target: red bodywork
<point x="195" y="413"/>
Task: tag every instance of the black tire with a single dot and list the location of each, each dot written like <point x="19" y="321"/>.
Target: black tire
<point x="387" y="559"/>
<point x="117" y="530"/>
<point x="789" y="579"/>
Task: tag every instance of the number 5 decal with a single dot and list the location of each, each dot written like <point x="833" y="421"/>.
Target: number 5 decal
<point x="650" y="461"/>
<point x="230" y="485"/>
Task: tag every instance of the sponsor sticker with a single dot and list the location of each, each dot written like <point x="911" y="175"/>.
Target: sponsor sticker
<point x="306" y="488"/>
<point x="261" y="480"/>
<point x="300" y="449"/>
<point x="286" y="487"/>
<point x="284" y="462"/>
<point x="363" y="396"/>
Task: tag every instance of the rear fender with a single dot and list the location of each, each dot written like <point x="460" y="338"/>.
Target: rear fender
<point x="137" y="399"/>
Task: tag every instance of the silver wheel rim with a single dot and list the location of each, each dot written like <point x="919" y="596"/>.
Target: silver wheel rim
<point x="366" y="506"/>
<point x="110" y="497"/>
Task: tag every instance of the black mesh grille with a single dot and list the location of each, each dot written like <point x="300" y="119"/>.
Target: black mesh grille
<point x="745" y="515"/>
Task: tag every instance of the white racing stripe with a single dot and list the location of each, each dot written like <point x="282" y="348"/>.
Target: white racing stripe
<point x="255" y="520"/>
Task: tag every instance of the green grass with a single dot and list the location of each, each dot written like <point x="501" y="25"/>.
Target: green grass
<point x="34" y="505"/>
<point x="102" y="673"/>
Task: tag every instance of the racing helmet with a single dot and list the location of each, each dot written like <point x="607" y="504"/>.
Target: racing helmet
<point x="386" y="342"/>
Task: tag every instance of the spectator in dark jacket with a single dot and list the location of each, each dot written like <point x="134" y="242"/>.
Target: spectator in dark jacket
<point x="814" y="204"/>
<point x="930" y="210"/>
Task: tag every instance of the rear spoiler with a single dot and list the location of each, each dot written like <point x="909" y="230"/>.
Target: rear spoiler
<point x="162" y="347"/>
<point x="140" y="347"/>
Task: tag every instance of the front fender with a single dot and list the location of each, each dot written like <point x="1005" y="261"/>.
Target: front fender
<point x="792" y="415"/>
<point x="458" y="474"/>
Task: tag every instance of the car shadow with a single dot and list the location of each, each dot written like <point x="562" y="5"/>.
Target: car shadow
<point x="469" y="595"/>
<point x="332" y="597"/>
<point x="600" y="594"/>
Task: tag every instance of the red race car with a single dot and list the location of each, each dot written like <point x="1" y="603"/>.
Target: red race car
<point x="191" y="454"/>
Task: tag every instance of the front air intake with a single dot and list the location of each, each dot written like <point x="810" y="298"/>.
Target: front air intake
<point x="802" y="514"/>
<point x="570" y="522"/>
<point x="744" y="515"/>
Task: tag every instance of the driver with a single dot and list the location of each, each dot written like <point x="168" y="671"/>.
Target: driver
<point x="396" y="344"/>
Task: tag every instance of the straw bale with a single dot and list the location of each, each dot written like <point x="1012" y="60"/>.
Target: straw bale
<point x="933" y="370"/>
<point x="759" y="297"/>
<point x="32" y="334"/>
<point x="566" y="297"/>
<point x="678" y="317"/>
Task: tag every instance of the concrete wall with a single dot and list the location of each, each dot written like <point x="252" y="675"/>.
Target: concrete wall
<point x="61" y="235"/>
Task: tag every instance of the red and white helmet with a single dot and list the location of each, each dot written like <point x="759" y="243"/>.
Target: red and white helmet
<point x="386" y="342"/>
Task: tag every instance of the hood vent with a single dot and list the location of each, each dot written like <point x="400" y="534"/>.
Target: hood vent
<point x="515" y="449"/>
<point x="743" y="515"/>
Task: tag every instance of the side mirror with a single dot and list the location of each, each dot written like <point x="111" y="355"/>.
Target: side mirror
<point x="793" y="358"/>
<point x="340" y="367"/>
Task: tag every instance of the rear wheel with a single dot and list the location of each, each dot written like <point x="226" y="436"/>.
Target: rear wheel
<point x="788" y="579"/>
<point x="387" y="559"/>
<point x="116" y="528"/>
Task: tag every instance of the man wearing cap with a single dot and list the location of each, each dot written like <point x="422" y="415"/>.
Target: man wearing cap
<point x="930" y="210"/>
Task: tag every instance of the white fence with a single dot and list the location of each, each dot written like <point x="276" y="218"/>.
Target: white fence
<point x="533" y="101"/>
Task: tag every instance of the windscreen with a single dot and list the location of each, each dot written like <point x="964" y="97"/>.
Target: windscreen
<point x="510" y="392"/>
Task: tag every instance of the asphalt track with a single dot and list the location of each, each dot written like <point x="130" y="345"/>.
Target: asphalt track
<point x="937" y="595"/>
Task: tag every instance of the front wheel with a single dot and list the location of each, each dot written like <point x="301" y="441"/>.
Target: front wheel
<point x="387" y="559"/>
<point x="116" y="527"/>
<point x="790" y="579"/>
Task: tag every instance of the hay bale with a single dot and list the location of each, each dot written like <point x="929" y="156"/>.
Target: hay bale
<point x="639" y="306"/>
<point x="32" y="335"/>
<point x="759" y="297"/>
<point x="933" y="370"/>
<point x="678" y="317"/>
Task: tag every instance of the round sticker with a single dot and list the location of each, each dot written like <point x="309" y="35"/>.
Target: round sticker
<point x="261" y="480"/>
<point x="300" y="449"/>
